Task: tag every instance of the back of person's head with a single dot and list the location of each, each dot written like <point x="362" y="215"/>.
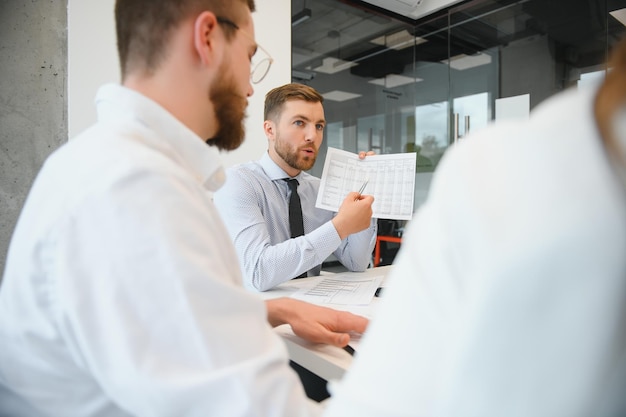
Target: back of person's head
<point x="610" y="102"/>
<point x="144" y="27"/>
<point x="275" y="98"/>
<point x="610" y="115"/>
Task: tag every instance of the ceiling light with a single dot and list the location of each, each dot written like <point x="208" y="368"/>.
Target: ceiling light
<point x="300" y="17"/>
<point x="462" y="62"/>
<point x="398" y="40"/>
<point x="394" y="80"/>
<point x="337" y="95"/>
<point x="302" y="75"/>
<point x="332" y="65"/>
<point x="620" y="15"/>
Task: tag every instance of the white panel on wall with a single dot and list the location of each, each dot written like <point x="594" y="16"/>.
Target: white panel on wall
<point x="93" y="61"/>
<point x="91" y="58"/>
<point x="516" y="107"/>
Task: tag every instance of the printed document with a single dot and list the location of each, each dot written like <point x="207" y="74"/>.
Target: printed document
<point x="390" y="179"/>
<point x="340" y="289"/>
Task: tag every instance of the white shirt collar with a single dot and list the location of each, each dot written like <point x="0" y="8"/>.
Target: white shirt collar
<point x="273" y="171"/>
<point x="115" y="103"/>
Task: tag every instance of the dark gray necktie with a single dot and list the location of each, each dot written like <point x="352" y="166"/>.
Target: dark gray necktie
<point x="296" y="224"/>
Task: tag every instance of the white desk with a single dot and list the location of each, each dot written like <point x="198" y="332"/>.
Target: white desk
<point x="329" y="362"/>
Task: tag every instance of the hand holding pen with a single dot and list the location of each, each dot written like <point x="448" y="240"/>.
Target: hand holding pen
<point x="355" y="212"/>
<point x="354" y="215"/>
<point x="362" y="156"/>
<point x="358" y="197"/>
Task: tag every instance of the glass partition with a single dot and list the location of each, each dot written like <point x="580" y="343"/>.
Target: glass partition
<point x="393" y="84"/>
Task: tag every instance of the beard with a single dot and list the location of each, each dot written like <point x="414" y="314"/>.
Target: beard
<point x="230" y="111"/>
<point x="292" y="158"/>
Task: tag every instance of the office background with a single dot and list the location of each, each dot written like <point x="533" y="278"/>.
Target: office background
<point x="393" y="83"/>
<point x="396" y="77"/>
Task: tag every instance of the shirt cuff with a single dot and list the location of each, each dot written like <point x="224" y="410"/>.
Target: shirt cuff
<point x="326" y="240"/>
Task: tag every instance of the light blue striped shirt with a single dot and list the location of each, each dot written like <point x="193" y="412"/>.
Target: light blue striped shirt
<point x="254" y="204"/>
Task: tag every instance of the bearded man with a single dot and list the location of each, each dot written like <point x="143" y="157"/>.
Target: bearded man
<point x="255" y="200"/>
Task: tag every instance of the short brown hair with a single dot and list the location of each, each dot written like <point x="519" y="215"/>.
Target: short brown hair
<point x="275" y="99"/>
<point x="144" y="26"/>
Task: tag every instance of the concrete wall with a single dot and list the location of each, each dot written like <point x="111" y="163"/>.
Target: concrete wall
<point x="33" y="111"/>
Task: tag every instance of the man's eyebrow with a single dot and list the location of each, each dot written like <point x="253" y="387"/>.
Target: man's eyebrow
<point x="302" y="116"/>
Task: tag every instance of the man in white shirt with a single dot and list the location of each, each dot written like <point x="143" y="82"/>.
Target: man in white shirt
<point x="508" y="296"/>
<point x="254" y="201"/>
<point x="120" y="296"/>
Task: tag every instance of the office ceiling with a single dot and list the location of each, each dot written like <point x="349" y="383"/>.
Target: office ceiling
<point x="351" y="30"/>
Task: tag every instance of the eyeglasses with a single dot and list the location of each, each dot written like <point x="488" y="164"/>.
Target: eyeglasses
<point x="259" y="66"/>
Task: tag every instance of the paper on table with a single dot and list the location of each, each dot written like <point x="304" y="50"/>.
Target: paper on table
<point x="340" y="290"/>
<point x="391" y="180"/>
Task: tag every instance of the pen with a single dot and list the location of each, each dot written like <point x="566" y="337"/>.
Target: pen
<point x="349" y="349"/>
<point x="362" y="188"/>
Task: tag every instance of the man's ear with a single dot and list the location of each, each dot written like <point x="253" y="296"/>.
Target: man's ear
<point x="205" y="36"/>
<point x="270" y="129"/>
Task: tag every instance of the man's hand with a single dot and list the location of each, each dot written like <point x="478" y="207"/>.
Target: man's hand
<point x="315" y="323"/>
<point x="354" y="215"/>
<point x="363" y="154"/>
<point x="355" y="212"/>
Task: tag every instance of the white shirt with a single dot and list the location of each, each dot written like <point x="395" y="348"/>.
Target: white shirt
<point x="121" y="297"/>
<point x="507" y="297"/>
<point x="254" y="204"/>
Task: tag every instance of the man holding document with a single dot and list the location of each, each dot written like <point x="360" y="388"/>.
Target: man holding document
<point x="257" y="200"/>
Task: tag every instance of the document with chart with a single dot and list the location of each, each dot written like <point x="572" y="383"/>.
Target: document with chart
<point x="340" y="289"/>
<point x="389" y="178"/>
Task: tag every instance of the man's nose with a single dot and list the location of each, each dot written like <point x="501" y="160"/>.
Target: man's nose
<point x="310" y="133"/>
